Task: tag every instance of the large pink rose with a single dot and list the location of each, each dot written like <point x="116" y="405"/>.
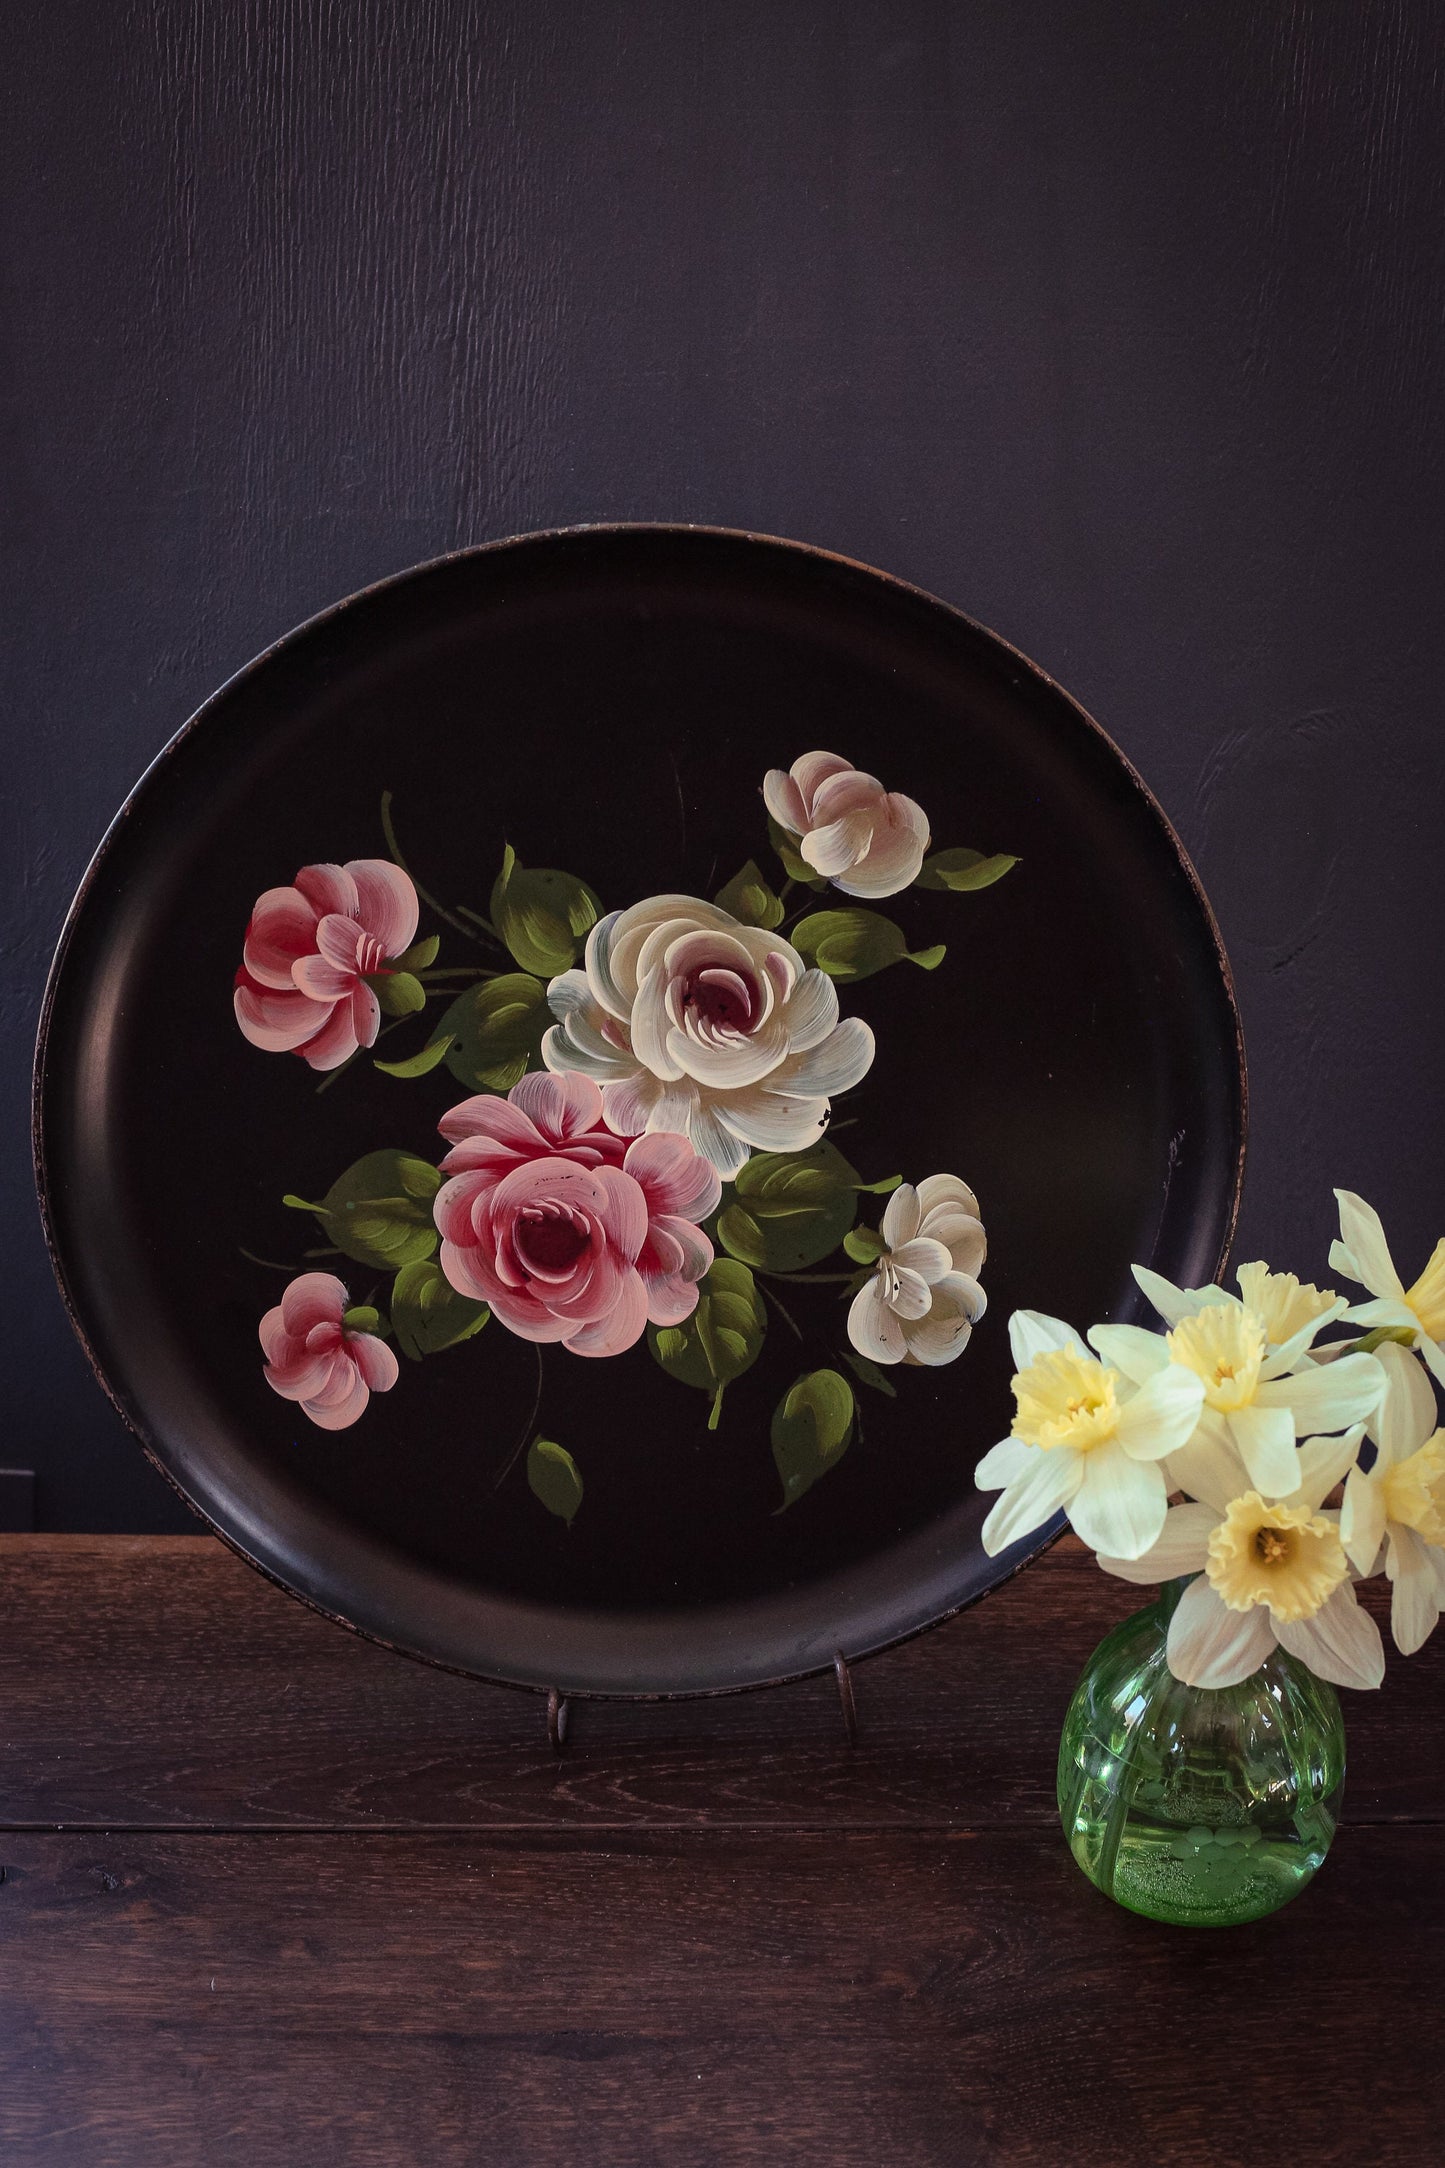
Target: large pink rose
<point x="569" y="1232"/>
<point x="310" y="950"/>
<point x="311" y="1357"/>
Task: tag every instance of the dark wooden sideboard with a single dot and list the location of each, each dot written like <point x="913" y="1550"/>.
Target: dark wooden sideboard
<point x="272" y="1895"/>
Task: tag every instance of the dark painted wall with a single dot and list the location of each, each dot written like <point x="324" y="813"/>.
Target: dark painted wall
<point x="1119" y="327"/>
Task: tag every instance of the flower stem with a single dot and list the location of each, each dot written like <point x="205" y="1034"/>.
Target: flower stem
<point x="484" y="923"/>
<point x="427" y="898"/>
<point x="521" y="1445"/>
<point x="783" y="1313"/>
<point x="816" y="1279"/>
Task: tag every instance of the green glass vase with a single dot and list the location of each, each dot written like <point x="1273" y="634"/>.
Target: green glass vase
<point x="1204" y="1806"/>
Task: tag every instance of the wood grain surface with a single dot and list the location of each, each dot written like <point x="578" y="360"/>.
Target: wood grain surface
<point x="271" y="1895"/>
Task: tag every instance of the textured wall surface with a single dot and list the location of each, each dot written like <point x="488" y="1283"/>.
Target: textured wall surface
<point x="1119" y="328"/>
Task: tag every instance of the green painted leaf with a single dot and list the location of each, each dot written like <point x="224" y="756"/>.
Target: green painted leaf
<point x="854" y="944"/>
<point x="795" y="866"/>
<point x="790" y="1209"/>
<point x="882" y="1188"/>
<point x="553" y="1475"/>
<point x="419" y="1064"/>
<point x="361" y="1317"/>
<point x="864" y="1245"/>
<point x="379" y="1211"/>
<point x="750" y="899"/>
<point x="420" y="954"/>
<point x="542" y="915"/>
<point x="870" y="1373"/>
<point x="496" y="1031"/>
<point x="427" y="1313"/>
<point x="812" y="1425"/>
<point x="961" y="870"/>
<point x="722" y="1338"/>
<point x="398" y="992"/>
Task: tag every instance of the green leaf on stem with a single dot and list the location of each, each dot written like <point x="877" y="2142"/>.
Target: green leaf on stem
<point x="963" y="870"/>
<point x="495" y="1030"/>
<point x="722" y="1338"/>
<point x="420" y="955"/>
<point x="543" y="916"/>
<point x="380" y="1211"/>
<point x="790" y="1209"/>
<point x="812" y="1425"/>
<point x="870" y="1373"/>
<point x="750" y="899"/>
<point x="427" y="1313"/>
<point x="419" y="1064"/>
<point x="864" y="1245"/>
<point x="361" y="1317"/>
<point x="398" y="993"/>
<point x="554" y="1478"/>
<point x="854" y="944"/>
<point x="793" y="863"/>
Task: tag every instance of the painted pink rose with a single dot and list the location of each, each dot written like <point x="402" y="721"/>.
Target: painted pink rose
<point x="312" y="1356"/>
<point x="310" y="949"/>
<point x="866" y="840"/>
<point x="570" y="1232"/>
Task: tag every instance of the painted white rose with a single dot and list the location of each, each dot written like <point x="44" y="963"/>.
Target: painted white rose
<point x="923" y="1299"/>
<point x="697" y="1025"/>
<point x="866" y="840"/>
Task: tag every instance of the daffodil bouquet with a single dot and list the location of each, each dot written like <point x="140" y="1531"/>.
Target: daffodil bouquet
<point x="1234" y="1448"/>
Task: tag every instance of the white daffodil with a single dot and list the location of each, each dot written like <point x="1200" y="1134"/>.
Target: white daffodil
<point x="1256" y="1403"/>
<point x="1284" y="1305"/>
<point x="1363" y="1254"/>
<point x="923" y="1299"/>
<point x="1086" y="1440"/>
<point x="1270" y="1572"/>
<point x="1400" y="1502"/>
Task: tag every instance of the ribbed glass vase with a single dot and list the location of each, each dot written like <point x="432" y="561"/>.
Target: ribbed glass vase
<point x="1198" y="1805"/>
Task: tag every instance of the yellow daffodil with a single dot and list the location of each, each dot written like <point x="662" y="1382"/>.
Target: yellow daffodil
<point x="1259" y="1394"/>
<point x="1362" y="1254"/>
<point x="1399" y="1503"/>
<point x="1085" y="1440"/>
<point x="1270" y="1572"/>
<point x="1287" y="1308"/>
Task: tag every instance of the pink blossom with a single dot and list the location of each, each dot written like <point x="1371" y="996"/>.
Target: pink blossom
<point x="569" y="1232"/>
<point x="868" y="841"/>
<point x="313" y="1358"/>
<point x="310" y="949"/>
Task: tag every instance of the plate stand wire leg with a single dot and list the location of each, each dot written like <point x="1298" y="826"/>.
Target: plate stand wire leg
<point x="557" y="1720"/>
<point x="845" y="1696"/>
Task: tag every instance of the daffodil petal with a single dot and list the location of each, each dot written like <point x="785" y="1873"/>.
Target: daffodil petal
<point x="1182" y="1548"/>
<point x="1329" y="1397"/>
<point x="1031" y="1333"/>
<point x="1004" y="1463"/>
<point x="1434" y="1355"/>
<point x="1405" y="1418"/>
<point x="1032" y="1499"/>
<point x="1293" y="1350"/>
<point x="1135" y="1353"/>
<point x="1385" y="1310"/>
<point x="1362" y="1520"/>
<point x="1163" y="1415"/>
<point x="1324" y="1462"/>
<point x="1210" y="1645"/>
<point x="1173" y="1302"/>
<point x="1414" y="1591"/>
<point x="1362" y="1253"/>
<point x="1264" y="1439"/>
<point x="1120" y="1504"/>
<point x="1340" y="1643"/>
<point x="1208" y="1466"/>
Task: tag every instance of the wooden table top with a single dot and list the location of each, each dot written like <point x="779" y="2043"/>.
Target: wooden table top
<point x="272" y="1895"/>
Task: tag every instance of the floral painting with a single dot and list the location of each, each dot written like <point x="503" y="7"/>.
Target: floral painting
<point x="641" y="1162"/>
